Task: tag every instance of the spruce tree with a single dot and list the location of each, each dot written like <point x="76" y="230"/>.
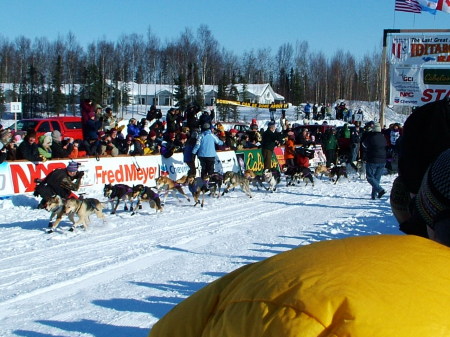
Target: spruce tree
<point x="2" y="102"/>
<point x="58" y="98"/>
<point x="222" y="109"/>
<point x="180" y="94"/>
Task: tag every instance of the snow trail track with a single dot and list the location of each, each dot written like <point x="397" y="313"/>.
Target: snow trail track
<point x="119" y="277"/>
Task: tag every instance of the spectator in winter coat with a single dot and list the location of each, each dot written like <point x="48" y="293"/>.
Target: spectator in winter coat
<point x="205" y="150"/>
<point x="231" y="140"/>
<point x="206" y="117"/>
<point x="44" y="148"/>
<point x="116" y="141"/>
<point x="307" y="110"/>
<point x="60" y="150"/>
<point x="254" y="135"/>
<point x="433" y="120"/>
<point x="330" y="145"/>
<point x="152" y="143"/>
<point x="168" y="146"/>
<point x="270" y="139"/>
<point x="153" y="114"/>
<point x="92" y="144"/>
<point x="133" y="128"/>
<point x="28" y="149"/>
<point x="86" y="107"/>
<point x="132" y="147"/>
<point x="289" y="150"/>
<point x="172" y="120"/>
<point x="355" y="142"/>
<point x="188" y="156"/>
<point x="191" y="117"/>
<point x="3" y="153"/>
<point x="375" y="147"/>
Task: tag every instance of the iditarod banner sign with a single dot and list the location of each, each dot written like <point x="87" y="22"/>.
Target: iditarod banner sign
<point x="420" y="69"/>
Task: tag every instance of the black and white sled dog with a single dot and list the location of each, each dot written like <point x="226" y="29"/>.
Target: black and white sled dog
<point x="337" y="171"/>
<point x="117" y="193"/>
<point x="359" y="167"/>
<point x="215" y="182"/>
<point x="294" y="175"/>
<point x="272" y="178"/>
<point x="145" y="193"/>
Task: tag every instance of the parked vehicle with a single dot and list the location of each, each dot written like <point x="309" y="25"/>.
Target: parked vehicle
<point x="70" y="127"/>
<point x="240" y="127"/>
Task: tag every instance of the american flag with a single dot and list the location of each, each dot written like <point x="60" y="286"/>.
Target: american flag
<point x="411" y="6"/>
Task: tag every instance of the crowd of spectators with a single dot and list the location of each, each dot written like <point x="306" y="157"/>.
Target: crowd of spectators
<point x="177" y="132"/>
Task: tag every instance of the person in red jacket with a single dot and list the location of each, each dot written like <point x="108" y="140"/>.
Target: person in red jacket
<point x="86" y="108"/>
<point x="289" y="150"/>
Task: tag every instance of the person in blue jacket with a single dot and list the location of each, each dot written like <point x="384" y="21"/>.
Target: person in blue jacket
<point x="205" y="149"/>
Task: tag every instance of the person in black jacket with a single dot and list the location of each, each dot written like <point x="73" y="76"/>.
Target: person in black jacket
<point x="415" y="157"/>
<point x="2" y="153"/>
<point x="28" y="149"/>
<point x="60" y="150"/>
<point x="60" y="182"/>
<point x="270" y="139"/>
<point x="375" y="147"/>
<point x="355" y="141"/>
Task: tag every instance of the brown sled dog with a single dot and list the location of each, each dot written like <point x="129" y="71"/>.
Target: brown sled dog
<point x="167" y="185"/>
<point x="55" y="205"/>
<point x="83" y="209"/>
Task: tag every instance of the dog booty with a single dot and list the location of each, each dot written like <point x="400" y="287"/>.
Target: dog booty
<point x="433" y="199"/>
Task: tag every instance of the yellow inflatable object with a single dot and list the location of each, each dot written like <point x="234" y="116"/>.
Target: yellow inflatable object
<point x="363" y="286"/>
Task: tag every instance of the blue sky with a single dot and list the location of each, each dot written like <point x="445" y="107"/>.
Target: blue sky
<point x="239" y="26"/>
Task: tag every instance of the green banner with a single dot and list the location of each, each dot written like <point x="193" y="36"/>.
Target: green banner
<point x="253" y="160"/>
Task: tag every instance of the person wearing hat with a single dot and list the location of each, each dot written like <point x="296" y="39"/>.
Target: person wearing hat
<point x="152" y="143"/>
<point x="270" y="139"/>
<point x="140" y="143"/>
<point x="133" y="128"/>
<point x="231" y="140"/>
<point x="254" y="136"/>
<point x="62" y="182"/>
<point x="430" y="208"/>
<point x="168" y="146"/>
<point x="375" y="153"/>
<point x="205" y="150"/>
<point x="60" y="150"/>
<point x="416" y="156"/>
<point x="45" y="147"/>
<point x="108" y="120"/>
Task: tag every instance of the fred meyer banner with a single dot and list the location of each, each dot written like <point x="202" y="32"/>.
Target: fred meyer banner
<point x="254" y="105"/>
<point x="420" y="69"/>
<point x="19" y="176"/>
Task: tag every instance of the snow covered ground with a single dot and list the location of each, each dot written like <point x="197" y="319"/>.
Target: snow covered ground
<point x="119" y="277"/>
